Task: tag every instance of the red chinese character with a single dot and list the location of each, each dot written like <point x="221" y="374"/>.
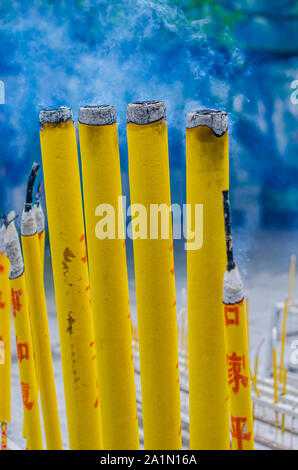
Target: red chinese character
<point x="231" y="314"/>
<point x="82" y="239"/>
<point x="238" y="430"/>
<point x="92" y="345"/>
<point x="1" y="268"/>
<point x="97" y="397"/>
<point x="2" y="304"/>
<point x="15" y="298"/>
<point x="23" y="351"/>
<point x="235" y="365"/>
<point x="25" y="394"/>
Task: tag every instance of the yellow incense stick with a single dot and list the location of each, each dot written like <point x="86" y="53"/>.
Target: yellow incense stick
<point x="275" y="386"/>
<point x="247" y="320"/>
<point x="284" y="389"/>
<point x="23" y="339"/>
<point x="108" y="277"/>
<point x="236" y="341"/>
<point x="39" y="325"/>
<point x="207" y="175"/>
<point x="154" y="274"/>
<point x="282" y="427"/>
<point x="5" y="336"/>
<point x="71" y="281"/>
<point x="283" y="340"/>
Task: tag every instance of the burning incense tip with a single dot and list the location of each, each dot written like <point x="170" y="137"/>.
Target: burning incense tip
<point x="62" y="114"/>
<point x="232" y="287"/>
<point x="31" y="181"/>
<point x="146" y="112"/>
<point x="13" y="249"/>
<point x="97" y="115"/>
<point x="216" y="120"/>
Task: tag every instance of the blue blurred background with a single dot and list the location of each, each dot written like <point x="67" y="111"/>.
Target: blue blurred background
<point x="241" y="56"/>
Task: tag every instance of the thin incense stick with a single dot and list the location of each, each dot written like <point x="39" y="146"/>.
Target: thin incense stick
<point x="5" y="339"/>
<point x="238" y="370"/>
<point x="20" y="311"/>
<point x="39" y="319"/>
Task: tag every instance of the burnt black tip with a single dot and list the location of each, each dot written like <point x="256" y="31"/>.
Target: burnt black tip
<point x="38" y="193"/>
<point x="31" y="181"/>
<point x="228" y="230"/>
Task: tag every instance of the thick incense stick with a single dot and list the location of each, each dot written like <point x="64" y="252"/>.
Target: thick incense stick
<point x="108" y="278"/>
<point x="207" y="175"/>
<point x="71" y="280"/>
<point x="155" y="280"/>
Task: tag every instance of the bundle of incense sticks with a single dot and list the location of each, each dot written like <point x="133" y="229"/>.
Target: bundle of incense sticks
<point x="24" y="344"/>
<point x="95" y="330"/>
<point x="32" y="252"/>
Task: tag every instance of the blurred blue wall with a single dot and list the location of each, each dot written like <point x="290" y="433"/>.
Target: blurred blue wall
<point x="241" y="56"/>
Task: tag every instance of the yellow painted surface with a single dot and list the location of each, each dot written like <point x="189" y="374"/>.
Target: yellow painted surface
<point x="275" y="384"/>
<point x="283" y="340"/>
<point x="41" y="340"/>
<point x="155" y="290"/>
<point x="20" y="311"/>
<point x="207" y="175"/>
<point x="109" y="289"/>
<point x="5" y="341"/>
<point x="69" y="262"/>
<point x="238" y="376"/>
<point x="42" y="238"/>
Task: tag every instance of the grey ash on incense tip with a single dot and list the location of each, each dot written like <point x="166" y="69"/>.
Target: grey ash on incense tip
<point x="101" y="115"/>
<point x="145" y="112"/>
<point x="212" y="118"/>
<point x="54" y="116"/>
